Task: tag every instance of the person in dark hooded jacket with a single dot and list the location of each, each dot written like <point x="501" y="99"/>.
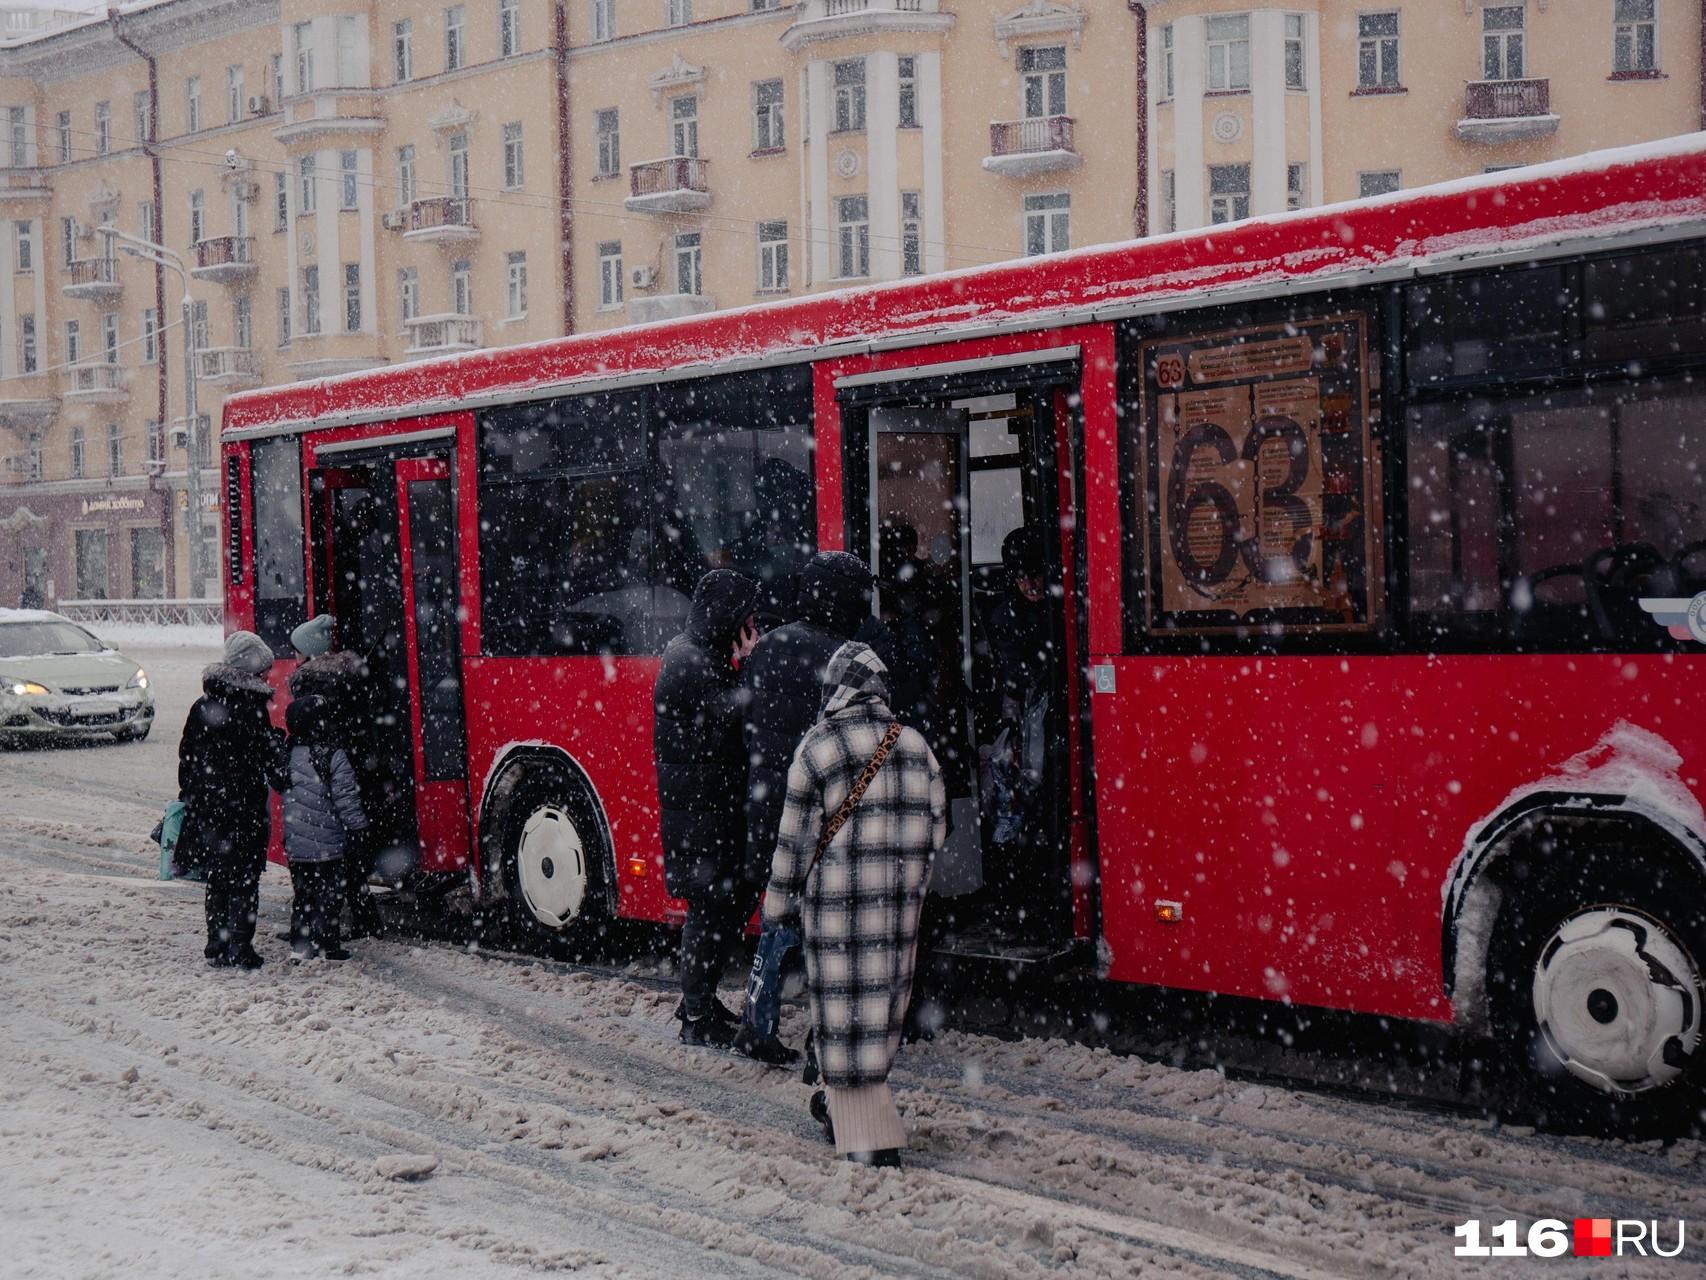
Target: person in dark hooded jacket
<point x="322" y="815"/>
<point x="701" y="772"/>
<point x="228" y="758"/>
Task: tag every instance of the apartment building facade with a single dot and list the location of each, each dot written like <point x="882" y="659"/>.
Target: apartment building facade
<point x="354" y="182"/>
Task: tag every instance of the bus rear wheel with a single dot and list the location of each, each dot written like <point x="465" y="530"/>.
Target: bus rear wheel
<point x="1596" y="990"/>
<point x="549" y="850"/>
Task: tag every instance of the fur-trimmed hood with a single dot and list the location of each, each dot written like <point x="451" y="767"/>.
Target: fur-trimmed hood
<point x="222" y="680"/>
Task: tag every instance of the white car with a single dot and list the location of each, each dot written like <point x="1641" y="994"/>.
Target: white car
<point x="59" y="681"/>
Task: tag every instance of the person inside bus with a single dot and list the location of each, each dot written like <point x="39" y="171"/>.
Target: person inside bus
<point x="701" y="760"/>
<point x="229" y="757"/>
<point x="776" y="539"/>
<point x="783" y="679"/>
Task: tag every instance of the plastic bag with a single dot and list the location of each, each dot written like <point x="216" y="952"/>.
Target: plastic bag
<point x="166" y="833"/>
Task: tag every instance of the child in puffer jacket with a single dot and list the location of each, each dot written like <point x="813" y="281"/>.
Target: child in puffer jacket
<point x="321" y="810"/>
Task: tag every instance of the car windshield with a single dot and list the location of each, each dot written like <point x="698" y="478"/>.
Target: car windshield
<point x="36" y="639"/>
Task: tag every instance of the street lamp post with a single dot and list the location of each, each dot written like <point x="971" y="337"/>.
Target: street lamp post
<point x="160" y="255"/>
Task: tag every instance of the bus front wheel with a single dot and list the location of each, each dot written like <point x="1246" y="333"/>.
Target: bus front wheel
<point x="1596" y="986"/>
<point x="550" y="854"/>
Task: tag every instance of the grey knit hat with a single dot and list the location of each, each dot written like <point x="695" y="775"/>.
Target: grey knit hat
<point x="248" y="653"/>
<point x="313" y="637"/>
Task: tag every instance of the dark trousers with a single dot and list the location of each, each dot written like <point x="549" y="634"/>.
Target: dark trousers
<point x="233" y="898"/>
<point x="317" y="902"/>
<point x="355" y="868"/>
<point x="715" y="925"/>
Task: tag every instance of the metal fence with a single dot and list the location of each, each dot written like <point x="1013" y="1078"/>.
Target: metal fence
<point x="169" y="613"/>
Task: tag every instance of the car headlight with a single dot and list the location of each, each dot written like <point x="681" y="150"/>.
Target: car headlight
<point x="139" y="680"/>
<point x="26" y="689"/>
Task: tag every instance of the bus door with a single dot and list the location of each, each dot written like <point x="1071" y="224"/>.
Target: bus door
<point x="426" y="510"/>
<point x="960" y="515"/>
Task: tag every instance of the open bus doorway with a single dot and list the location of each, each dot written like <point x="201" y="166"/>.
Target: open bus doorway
<point x="962" y="525"/>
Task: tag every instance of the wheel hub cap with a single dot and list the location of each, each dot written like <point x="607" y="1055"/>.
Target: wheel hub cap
<point x="551" y="866"/>
<point x="1617" y="1000"/>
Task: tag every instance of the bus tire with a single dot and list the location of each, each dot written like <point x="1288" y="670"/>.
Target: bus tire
<point x="549" y="851"/>
<point x="1595" y="985"/>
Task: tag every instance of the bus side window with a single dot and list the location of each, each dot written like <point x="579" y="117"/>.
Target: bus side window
<point x="281" y="580"/>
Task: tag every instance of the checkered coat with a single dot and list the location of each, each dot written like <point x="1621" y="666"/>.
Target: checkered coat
<point x="858" y="908"/>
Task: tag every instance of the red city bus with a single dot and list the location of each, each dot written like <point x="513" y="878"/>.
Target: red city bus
<point x="1354" y="683"/>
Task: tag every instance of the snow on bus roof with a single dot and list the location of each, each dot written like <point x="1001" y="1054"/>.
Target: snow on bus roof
<point x="1531" y="208"/>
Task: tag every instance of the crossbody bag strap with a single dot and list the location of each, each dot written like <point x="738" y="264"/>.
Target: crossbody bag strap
<point x="839" y="818"/>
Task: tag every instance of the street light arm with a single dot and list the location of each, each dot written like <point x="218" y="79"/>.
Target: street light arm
<point x="147" y="246"/>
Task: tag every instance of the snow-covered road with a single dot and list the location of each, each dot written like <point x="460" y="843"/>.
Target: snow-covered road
<point x="158" y="1119"/>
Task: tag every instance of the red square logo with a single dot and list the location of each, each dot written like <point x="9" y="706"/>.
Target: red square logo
<point x="1593" y="1237"/>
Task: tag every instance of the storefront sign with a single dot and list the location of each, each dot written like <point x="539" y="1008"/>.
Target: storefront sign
<point x="93" y="505"/>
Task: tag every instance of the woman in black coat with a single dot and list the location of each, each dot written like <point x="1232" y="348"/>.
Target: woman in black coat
<point x="228" y="758"/>
<point x="701" y="763"/>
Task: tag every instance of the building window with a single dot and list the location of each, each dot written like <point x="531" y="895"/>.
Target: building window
<point x="1377" y="182"/>
<point x="772" y="257"/>
<point x="198" y="326"/>
<point x="766" y="6"/>
<point x="1228" y="192"/>
<point x="150" y="336"/>
<point x="352" y="297"/>
<point x="853" y="237"/>
<point x="458" y="147"/>
<point x="27" y="343"/>
<point x="1377" y="50"/>
<point x="154" y="440"/>
<point x="351" y="70"/>
<point x="281" y="201"/>
<point x="115" y="450"/>
<point x="1294" y="76"/>
<point x="609" y="143"/>
<point x="911" y="234"/>
<point x="198" y="218"/>
<point x="233" y="94"/>
<point x="453" y="51"/>
<point x="603" y="20"/>
<point x="347" y="176"/>
<point x="103" y="128"/>
<point x="406" y="174"/>
<point x="204" y="457"/>
<point x="305" y="171"/>
<point x="242" y="330"/>
<point x="908" y="92"/>
<point x="277" y="81"/>
<point x="684" y="124"/>
<point x="68" y="239"/>
<point x="109" y="337"/>
<point x="1501" y="41"/>
<point x="24" y="235"/>
<point x="77" y="455"/>
<point x="515" y="285"/>
<point x="284" y="317"/>
<point x="677" y="13"/>
<point x="1048" y="223"/>
<point x="145" y="221"/>
<point x="1228" y="40"/>
<point x="192" y="104"/>
<point x="1634" y="37"/>
<point x="62" y="126"/>
<point x="509" y="28"/>
<point x="302" y="45"/>
<point x="515" y="174"/>
<point x="461" y="287"/>
<point x="1296" y="178"/>
<point x="1167" y="62"/>
<point x="142" y="116"/>
<point x="19" y="137"/>
<point x="689" y="278"/>
<point x="850" y="96"/>
<point x="1169" y="202"/>
<point x="767" y="132"/>
<point x="409" y="293"/>
<point x="609" y="275"/>
<point x="403" y="51"/>
<point x="311" y="300"/>
<point x="1042" y="79"/>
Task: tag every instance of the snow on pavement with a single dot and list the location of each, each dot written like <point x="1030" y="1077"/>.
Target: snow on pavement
<point x="428" y="1112"/>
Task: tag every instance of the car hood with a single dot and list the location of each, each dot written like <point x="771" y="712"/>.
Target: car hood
<point x="76" y="670"/>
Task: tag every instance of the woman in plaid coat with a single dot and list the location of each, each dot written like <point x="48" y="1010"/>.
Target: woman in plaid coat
<point x="858" y="907"/>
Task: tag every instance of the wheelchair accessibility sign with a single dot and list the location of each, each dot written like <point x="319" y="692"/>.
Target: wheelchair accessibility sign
<point x="1684" y="619"/>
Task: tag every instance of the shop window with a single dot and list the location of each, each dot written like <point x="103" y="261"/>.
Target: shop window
<point x="281" y="601"/>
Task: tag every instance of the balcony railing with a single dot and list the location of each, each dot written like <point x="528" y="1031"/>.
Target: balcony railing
<point x="92" y="278"/>
<point x="225" y="366"/>
<point x="430" y="335"/>
<point x="224" y="257"/>
<point x="24" y="182"/>
<point x="679" y="184"/>
<point x="1504" y="110"/>
<point x="841" y="8"/>
<point x="1034" y="145"/>
<point x="98" y="380"/>
<point x="817" y="20"/>
<point x="441" y="218"/>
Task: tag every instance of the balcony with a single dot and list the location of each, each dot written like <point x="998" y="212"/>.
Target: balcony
<point x="27" y="404"/>
<point x="93" y="278"/>
<point x="669" y="306"/>
<point x="17" y="185"/>
<point x="679" y="184"/>
<point x="816" y="20"/>
<point x="441" y="335"/>
<point x="224" y="258"/>
<point x="440" y="220"/>
<point x="1506" y="111"/>
<point x="98" y="383"/>
<point x="228" y="367"/>
<point x="1041" y="144"/>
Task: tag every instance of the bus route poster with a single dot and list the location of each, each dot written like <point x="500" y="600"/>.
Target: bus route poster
<point x="1260" y="478"/>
